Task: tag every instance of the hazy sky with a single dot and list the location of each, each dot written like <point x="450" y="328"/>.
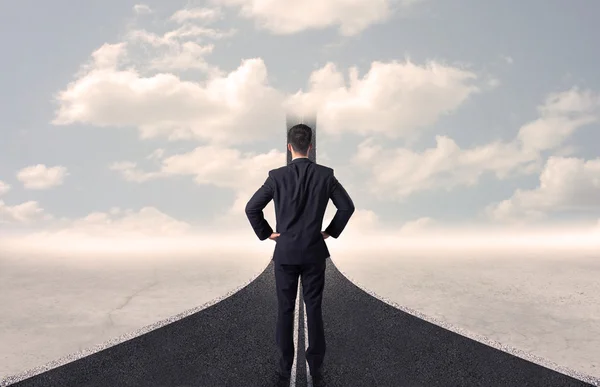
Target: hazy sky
<point x="162" y="117"/>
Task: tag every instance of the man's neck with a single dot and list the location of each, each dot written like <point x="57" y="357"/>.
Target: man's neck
<point x="299" y="157"/>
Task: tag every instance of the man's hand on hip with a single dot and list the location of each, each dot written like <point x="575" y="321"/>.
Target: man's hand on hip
<point x="325" y="235"/>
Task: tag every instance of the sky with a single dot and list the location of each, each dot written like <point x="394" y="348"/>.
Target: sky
<point x="132" y="120"/>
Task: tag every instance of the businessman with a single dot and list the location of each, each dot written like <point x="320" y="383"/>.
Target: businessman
<point x="301" y="192"/>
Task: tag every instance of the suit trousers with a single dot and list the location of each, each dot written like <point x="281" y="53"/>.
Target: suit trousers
<point x="313" y="281"/>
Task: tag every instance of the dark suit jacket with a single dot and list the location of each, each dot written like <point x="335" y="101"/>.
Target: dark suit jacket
<point x="301" y="191"/>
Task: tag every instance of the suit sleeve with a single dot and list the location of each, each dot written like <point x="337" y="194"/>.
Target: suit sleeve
<point x="255" y="206"/>
<point x="344" y="205"/>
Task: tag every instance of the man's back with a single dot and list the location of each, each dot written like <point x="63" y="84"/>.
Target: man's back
<point x="301" y="192"/>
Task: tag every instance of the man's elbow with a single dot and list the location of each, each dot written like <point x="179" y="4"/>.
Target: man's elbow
<point x="350" y="209"/>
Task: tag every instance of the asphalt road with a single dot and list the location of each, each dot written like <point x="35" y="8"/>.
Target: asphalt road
<point x="232" y="343"/>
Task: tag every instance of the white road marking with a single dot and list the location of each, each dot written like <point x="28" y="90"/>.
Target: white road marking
<point x="308" y="376"/>
<point x="296" y="318"/>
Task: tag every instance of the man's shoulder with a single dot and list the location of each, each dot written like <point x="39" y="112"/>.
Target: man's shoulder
<point x="324" y="168"/>
<point x="275" y="171"/>
<point x="320" y="167"/>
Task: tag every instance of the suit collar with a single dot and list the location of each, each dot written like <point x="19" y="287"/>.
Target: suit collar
<point x="301" y="160"/>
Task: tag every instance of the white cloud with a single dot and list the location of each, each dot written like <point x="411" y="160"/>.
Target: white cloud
<point x="210" y="164"/>
<point x="112" y="91"/>
<point x="173" y="38"/>
<point x="134" y="83"/>
<point x="144" y="233"/>
<point x="362" y="219"/>
<point x="565" y="184"/>
<point x="398" y="96"/>
<point x="142" y="9"/>
<point x="417" y="225"/>
<point x="217" y="110"/>
<point x="392" y="98"/>
<point x="106" y="58"/>
<point x="42" y="177"/>
<point x="400" y="172"/>
<point x="116" y="222"/>
<point x="147" y="221"/>
<point x="366" y="223"/>
<point x="130" y="172"/>
<point x="198" y="14"/>
<point x="121" y="87"/>
<point x="157" y="154"/>
<point x="21" y="213"/>
<point x="226" y="168"/>
<point x="183" y="48"/>
<point x="243" y="173"/>
<point x="176" y="50"/>
<point x="4" y="187"/>
<point x="188" y="55"/>
<point x="288" y="17"/>
<point x="560" y="115"/>
<point x="193" y="31"/>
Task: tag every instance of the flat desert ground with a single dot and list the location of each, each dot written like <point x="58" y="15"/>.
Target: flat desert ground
<point x="544" y="303"/>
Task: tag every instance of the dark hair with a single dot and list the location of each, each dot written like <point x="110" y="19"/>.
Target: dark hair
<point x="300" y="136"/>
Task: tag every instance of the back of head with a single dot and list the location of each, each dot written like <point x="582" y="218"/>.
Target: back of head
<point x="300" y="137"/>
